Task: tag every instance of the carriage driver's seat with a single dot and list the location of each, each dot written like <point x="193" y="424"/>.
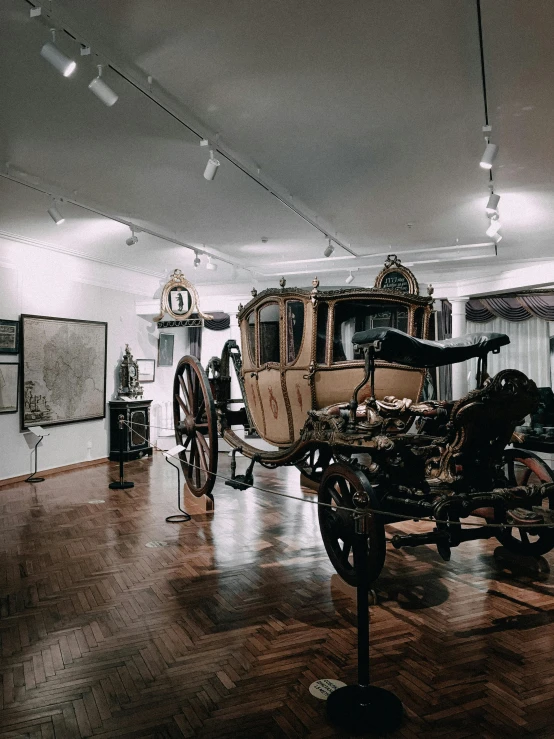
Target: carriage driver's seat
<point x="396" y="346"/>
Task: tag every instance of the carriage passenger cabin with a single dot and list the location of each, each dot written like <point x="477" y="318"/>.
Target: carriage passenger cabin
<point x="297" y="351"/>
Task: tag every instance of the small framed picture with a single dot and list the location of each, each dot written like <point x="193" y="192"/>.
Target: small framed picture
<point x="147" y="370"/>
<point x="9" y="384"/>
<point x="165" y="350"/>
<point x="9" y="337"/>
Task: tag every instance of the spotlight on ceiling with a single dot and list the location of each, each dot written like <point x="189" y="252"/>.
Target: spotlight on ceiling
<point x="497" y="238"/>
<point x="329" y="250"/>
<point x="494" y="228"/>
<point x="102" y="91"/>
<point x="212" y="266"/>
<point x="133" y="238"/>
<point x="196" y="260"/>
<point x="55" y="214"/>
<point x="350" y="278"/>
<point x="492" y="204"/>
<point x="211" y="167"/>
<point x="489" y="155"/>
<point x="57" y="59"/>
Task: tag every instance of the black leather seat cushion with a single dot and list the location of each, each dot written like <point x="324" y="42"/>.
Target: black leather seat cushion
<point x="396" y="346"/>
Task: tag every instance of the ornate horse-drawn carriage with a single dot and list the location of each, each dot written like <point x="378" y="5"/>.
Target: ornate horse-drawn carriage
<point x="334" y="380"/>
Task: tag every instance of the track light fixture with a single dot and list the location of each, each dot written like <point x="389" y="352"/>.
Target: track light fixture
<point x="489" y="155"/>
<point x="496" y="238"/>
<point x="196" y="260"/>
<point x="55" y="214"/>
<point x="494" y="228"/>
<point x="350" y="278"/>
<point x="102" y="91"/>
<point x="213" y="163"/>
<point x="212" y="266"/>
<point x="329" y="250"/>
<point x="133" y="238"/>
<point x="492" y="204"/>
<point x="57" y="59"/>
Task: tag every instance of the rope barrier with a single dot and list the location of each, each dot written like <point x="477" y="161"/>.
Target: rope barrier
<point x="335" y="507"/>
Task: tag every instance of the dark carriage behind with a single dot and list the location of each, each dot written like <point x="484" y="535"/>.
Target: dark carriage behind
<point x="335" y="380"/>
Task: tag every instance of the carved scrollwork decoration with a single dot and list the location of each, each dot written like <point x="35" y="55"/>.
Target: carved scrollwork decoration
<point x="179" y="299"/>
<point x="394" y="276"/>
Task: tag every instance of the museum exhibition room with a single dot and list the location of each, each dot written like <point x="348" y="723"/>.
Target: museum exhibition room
<point x="276" y="366"/>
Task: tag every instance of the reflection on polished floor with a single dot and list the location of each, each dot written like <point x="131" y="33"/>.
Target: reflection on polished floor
<point x="219" y="629"/>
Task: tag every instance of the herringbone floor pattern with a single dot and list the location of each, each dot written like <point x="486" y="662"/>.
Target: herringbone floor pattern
<point x="220" y="632"/>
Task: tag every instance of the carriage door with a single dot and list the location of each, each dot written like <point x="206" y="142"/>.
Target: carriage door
<point x="269" y="376"/>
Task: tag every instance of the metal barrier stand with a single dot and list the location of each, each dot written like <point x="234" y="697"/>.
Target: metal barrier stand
<point x="121" y="484"/>
<point x="182" y="517"/>
<point x="363" y="707"/>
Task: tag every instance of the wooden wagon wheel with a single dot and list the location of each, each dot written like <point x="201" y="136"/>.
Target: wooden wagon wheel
<point x="313" y="467"/>
<point x="526" y="468"/>
<point x="339" y="483"/>
<point x="195" y="423"/>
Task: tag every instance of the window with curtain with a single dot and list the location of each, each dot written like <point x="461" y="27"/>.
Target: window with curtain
<point x="528" y="350"/>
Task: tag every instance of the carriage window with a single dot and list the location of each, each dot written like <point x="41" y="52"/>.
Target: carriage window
<point x="250" y="336"/>
<point x="295" y="328"/>
<point x="356" y="315"/>
<point x="268" y="318"/>
<point x="321" y="339"/>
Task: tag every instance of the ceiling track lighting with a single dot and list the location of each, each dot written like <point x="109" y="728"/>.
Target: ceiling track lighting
<point x="489" y="155"/>
<point x="213" y="164"/>
<point x="494" y="228"/>
<point x="133" y="238"/>
<point x="196" y="262"/>
<point x="350" y="278"/>
<point x="55" y="214"/>
<point x="212" y="266"/>
<point x="57" y="58"/>
<point x="102" y="91"/>
<point x="329" y="250"/>
<point x="492" y="204"/>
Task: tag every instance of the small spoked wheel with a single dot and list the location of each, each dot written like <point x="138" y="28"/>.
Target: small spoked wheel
<point x="338" y="484"/>
<point x="526" y="468"/>
<point x="195" y="422"/>
<point x="313" y="467"/>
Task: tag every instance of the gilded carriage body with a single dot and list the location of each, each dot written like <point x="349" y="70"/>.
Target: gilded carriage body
<point x="297" y="351"/>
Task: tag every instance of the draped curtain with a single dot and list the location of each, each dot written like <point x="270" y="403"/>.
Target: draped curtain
<point x="528" y="350"/>
<point x="444" y="331"/>
<point x="195" y="341"/>
<point x="515" y="308"/>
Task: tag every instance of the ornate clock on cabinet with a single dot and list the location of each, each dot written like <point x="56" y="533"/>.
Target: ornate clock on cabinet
<point x="134" y="439"/>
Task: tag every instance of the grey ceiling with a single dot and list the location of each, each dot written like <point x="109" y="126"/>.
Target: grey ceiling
<point x="368" y="113"/>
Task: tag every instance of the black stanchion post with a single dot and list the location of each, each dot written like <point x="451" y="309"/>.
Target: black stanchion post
<point x="363" y="708"/>
<point x="121" y="484"/>
<point x="33" y="477"/>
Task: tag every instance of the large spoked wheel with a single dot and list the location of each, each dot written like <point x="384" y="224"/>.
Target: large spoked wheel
<point x="195" y="422"/>
<point x="526" y="468"/>
<point x="338" y="484"/>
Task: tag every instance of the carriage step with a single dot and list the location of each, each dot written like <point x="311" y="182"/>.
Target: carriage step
<point x="241" y="482"/>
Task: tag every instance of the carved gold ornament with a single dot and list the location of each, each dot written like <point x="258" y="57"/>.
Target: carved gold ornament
<point x="179" y="299"/>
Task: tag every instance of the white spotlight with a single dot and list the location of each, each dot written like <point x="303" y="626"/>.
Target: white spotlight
<point x="57" y="59"/>
<point x="494" y="228"/>
<point x="350" y="278"/>
<point x="133" y="238"/>
<point x="211" y="167"/>
<point x="196" y="260"/>
<point x="102" y="91"/>
<point x="489" y="155"/>
<point x="497" y="238"/>
<point x="211" y="265"/>
<point x="55" y="215"/>
<point x="492" y="204"/>
<point x="329" y="250"/>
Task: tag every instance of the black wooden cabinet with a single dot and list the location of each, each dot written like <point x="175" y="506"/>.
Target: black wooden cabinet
<point x="136" y="429"/>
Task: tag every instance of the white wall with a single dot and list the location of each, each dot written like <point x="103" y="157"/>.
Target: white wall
<point x="42" y="282"/>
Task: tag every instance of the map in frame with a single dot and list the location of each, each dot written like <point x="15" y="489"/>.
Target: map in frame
<point x="64" y="370"/>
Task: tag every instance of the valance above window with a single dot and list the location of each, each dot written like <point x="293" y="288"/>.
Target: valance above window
<point x="219" y="322"/>
<point x="514" y="308"/>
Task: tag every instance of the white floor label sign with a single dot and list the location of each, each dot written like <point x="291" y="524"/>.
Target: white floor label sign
<point x="322" y="689"/>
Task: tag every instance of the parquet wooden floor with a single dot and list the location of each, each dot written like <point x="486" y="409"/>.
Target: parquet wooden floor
<point x="220" y="632"/>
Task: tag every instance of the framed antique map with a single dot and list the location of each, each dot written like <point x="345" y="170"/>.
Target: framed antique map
<point x="64" y="370"/>
<point x="9" y="337"/>
<point x="9" y="378"/>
